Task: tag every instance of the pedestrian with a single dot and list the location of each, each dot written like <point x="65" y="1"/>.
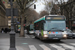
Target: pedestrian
<point x="6" y="30"/>
<point x="2" y="30"/>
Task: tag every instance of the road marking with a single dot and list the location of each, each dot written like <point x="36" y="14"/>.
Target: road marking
<point x="68" y="46"/>
<point x="72" y="44"/>
<point x="32" y="47"/>
<point x="19" y="48"/>
<point x="44" y="47"/>
<point x="24" y="43"/>
<point x="57" y="47"/>
<point x="33" y="37"/>
<point x="27" y="36"/>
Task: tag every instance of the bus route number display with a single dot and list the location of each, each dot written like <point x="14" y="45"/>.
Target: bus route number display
<point x="54" y="18"/>
<point x="57" y="18"/>
<point x="48" y="18"/>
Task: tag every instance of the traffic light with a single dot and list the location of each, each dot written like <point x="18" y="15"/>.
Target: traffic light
<point x="34" y="6"/>
<point x="10" y="0"/>
<point x="25" y="20"/>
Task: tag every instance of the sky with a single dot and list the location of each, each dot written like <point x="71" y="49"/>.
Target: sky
<point x="40" y="5"/>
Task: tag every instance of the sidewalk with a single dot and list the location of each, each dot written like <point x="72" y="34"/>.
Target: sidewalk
<point x="5" y="41"/>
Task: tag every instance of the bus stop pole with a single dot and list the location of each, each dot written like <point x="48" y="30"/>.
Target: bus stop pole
<point x="12" y="32"/>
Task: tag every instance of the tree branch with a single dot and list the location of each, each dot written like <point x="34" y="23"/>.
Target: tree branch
<point x="19" y="4"/>
<point x="28" y="6"/>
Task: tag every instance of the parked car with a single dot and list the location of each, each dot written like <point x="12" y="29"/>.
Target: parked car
<point x="73" y="35"/>
<point x="69" y="33"/>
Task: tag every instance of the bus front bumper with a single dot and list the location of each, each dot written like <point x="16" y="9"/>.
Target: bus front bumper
<point x="54" y="38"/>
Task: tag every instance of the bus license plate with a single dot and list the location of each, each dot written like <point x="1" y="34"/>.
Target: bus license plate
<point x="55" y="38"/>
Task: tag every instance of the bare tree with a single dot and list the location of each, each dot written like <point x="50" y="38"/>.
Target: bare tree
<point x="23" y="6"/>
<point x="55" y="9"/>
<point x="43" y="13"/>
<point x="49" y="6"/>
<point x="67" y="10"/>
<point x="32" y="15"/>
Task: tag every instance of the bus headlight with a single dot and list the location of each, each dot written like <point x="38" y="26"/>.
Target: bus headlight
<point x="64" y="35"/>
<point x="45" y="32"/>
<point x="45" y="35"/>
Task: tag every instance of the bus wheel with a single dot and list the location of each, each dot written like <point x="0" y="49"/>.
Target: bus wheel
<point x="58" y="40"/>
<point x="41" y="38"/>
<point x="36" y="36"/>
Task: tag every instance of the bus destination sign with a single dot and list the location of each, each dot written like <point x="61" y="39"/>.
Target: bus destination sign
<point x="54" y="18"/>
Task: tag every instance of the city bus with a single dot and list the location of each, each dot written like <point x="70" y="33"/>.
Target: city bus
<point x="30" y="29"/>
<point x="50" y="27"/>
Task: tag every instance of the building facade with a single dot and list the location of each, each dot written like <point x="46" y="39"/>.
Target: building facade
<point x="8" y="6"/>
<point x="3" y="17"/>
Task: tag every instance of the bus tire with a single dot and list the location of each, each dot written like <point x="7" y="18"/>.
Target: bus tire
<point x="58" y="40"/>
<point x="35" y="36"/>
<point x="41" y="38"/>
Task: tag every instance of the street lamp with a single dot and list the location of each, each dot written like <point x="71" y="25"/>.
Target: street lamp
<point x="12" y="32"/>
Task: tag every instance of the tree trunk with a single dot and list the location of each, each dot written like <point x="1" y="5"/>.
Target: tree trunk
<point x="61" y="11"/>
<point x="22" y="27"/>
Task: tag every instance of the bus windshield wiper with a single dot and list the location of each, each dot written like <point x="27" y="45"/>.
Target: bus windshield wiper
<point x="61" y="30"/>
<point x="50" y="29"/>
<point x="56" y="28"/>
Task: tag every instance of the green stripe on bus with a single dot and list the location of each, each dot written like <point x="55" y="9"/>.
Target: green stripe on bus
<point x="40" y="20"/>
<point x="42" y="32"/>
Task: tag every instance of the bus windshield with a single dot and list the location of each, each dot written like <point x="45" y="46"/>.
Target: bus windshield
<point x="54" y="25"/>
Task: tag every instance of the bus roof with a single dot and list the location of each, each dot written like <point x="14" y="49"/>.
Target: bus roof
<point x="43" y="18"/>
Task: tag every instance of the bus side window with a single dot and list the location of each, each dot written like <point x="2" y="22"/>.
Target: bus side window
<point x="37" y="26"/>
<point x="42" y="26"/>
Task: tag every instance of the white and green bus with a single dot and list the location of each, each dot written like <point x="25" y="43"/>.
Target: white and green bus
<point x="30" y="29"/>
<point x="50" y="27"/>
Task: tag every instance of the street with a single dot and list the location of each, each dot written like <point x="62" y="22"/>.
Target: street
<point x="46" y="19"/>
<point x="29" y="42"/>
